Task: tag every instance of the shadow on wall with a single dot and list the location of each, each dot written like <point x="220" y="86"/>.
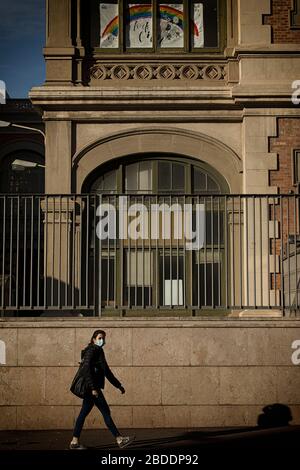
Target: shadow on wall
<point x="53" y="298"/>
<point x="275" y="415"/>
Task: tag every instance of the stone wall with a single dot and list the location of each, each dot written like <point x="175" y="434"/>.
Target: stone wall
<point x="177" y="373"/>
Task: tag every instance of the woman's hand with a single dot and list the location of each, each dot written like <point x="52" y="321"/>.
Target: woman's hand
<point x="122" y="389"/>
<point x="95" y="393"/>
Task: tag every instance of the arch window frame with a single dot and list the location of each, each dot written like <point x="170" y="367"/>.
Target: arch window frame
<point x="190" y="165"/>
<point x="186" y="289"/>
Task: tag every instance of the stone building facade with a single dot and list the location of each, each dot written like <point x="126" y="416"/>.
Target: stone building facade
<point x="119" y="105"/>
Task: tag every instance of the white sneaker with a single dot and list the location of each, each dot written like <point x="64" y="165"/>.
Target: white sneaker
<point x="124" y="441"/>
<point x="76" y="447"/>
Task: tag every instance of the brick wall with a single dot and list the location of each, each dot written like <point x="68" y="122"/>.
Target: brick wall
<point x="279" y="20"/>
<point x="288" y="138"/>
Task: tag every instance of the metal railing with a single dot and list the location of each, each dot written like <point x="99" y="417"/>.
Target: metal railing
<point x="148" y="252"/>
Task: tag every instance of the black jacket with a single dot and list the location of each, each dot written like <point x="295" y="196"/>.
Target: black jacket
<point x="95" y="368"/>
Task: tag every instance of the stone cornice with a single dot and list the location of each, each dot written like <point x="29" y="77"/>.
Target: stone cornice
<point x="153" y="116"/>
<point x="266" y="50"/>
<point x="162" y="98"/>
<point x="144" y="322"/>
<point x="139" y="98"/>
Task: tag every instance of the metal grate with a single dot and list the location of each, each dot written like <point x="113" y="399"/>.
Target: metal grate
<point x="53" y="256"/>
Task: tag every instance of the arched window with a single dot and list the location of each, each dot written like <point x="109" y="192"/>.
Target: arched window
<point x="160" y="273"/>
<point x="157" y="175"/>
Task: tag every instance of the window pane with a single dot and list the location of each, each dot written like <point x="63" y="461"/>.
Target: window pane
<point x="131" y="177"/>
<point x="207" y="281"/>
<point x="139" y="270"/>
<point x="212" y="185"/>
<point x="297" y="166"/>
<point x="139" y="25"/>
<point x="214" y="221"/>
<point x="145" y="176"/>
<point x="97" y="185"/>
<point x="164" y="176"/>
<point x="204" y="23"/>
<point x="107" y="279"/>
<point x="171" y="280"/>
<point x="106" y="183"/>
<point x="177" y="177"/>
<point x="171" y="33"/>
<point x="109" y="24"/>
<point x="197" y="26"/>
<point x="109" y="181"/>
<point x="199" y="182"/>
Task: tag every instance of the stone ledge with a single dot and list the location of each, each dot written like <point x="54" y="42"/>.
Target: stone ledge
<point x="261" y="314"/>
<point x="144" y="322"/>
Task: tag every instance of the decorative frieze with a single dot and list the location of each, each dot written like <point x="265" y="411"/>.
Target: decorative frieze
<point x="102" y="71"/>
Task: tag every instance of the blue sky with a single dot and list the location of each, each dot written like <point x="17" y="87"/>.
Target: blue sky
<point x="22" y="38"/>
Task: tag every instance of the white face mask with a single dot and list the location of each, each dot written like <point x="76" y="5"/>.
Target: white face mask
<point x="100" y="342"/>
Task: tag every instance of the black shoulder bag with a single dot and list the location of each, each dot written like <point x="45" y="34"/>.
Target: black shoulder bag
<point x="79" y="386"/>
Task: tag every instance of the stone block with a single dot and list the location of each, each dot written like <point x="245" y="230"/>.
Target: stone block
<point x="142" y="385"/>
<point x="190" y="385"/>
<point x="161" y="417"/>
<point x="283" y="339"/>
<point x="46" y="347"/>
<point x="58" y="381"/>
<point x="288" y="385"/>
<point x="45" y="417"/>
<point x="247" y="385"/>
<point x="257" y="127"/>
<point x="8" y="418"/>
<point x="261" y="346"/>
<point x="22" y="385"/>
<point x="205" y="416"/>
<point x="219" y="346"/>
<point x="161" y="346"/>
<point x="118" y="347"/>
<point x="10" y="340"/>
<point x="233" y="416"/>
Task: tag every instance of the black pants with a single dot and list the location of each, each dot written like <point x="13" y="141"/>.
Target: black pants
<point x="87" y="405"/>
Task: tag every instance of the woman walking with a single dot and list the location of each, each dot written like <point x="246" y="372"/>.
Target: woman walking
<point x="93" y="370"/>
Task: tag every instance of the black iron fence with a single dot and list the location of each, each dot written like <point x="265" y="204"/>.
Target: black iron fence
<point x="104" y="253"/>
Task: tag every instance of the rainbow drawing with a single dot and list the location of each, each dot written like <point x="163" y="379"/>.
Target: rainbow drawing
<point x="138" y="12"/>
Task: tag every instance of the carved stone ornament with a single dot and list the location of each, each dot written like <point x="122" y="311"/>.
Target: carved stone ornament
<point x="168" y="72"/>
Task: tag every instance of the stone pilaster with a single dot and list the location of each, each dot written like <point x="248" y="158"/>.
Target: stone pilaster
<point x="250" y="20"/>
<point x="59" y="51"/>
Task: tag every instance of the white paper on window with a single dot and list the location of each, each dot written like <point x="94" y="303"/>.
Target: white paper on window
<point x="139" y="25"/>
<point x="109" y="25"/>
<point x="171" y="30"/>
<point x="198" y="25"/>
<point x="173" y="294"/>
<point x="141" y="269"/>
<point x="145" y="176"/>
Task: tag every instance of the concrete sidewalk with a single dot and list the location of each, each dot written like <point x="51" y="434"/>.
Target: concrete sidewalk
<point x="149" y="440"/>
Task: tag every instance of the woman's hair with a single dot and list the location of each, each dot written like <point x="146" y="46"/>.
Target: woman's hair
<point x="95" y="334"/>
